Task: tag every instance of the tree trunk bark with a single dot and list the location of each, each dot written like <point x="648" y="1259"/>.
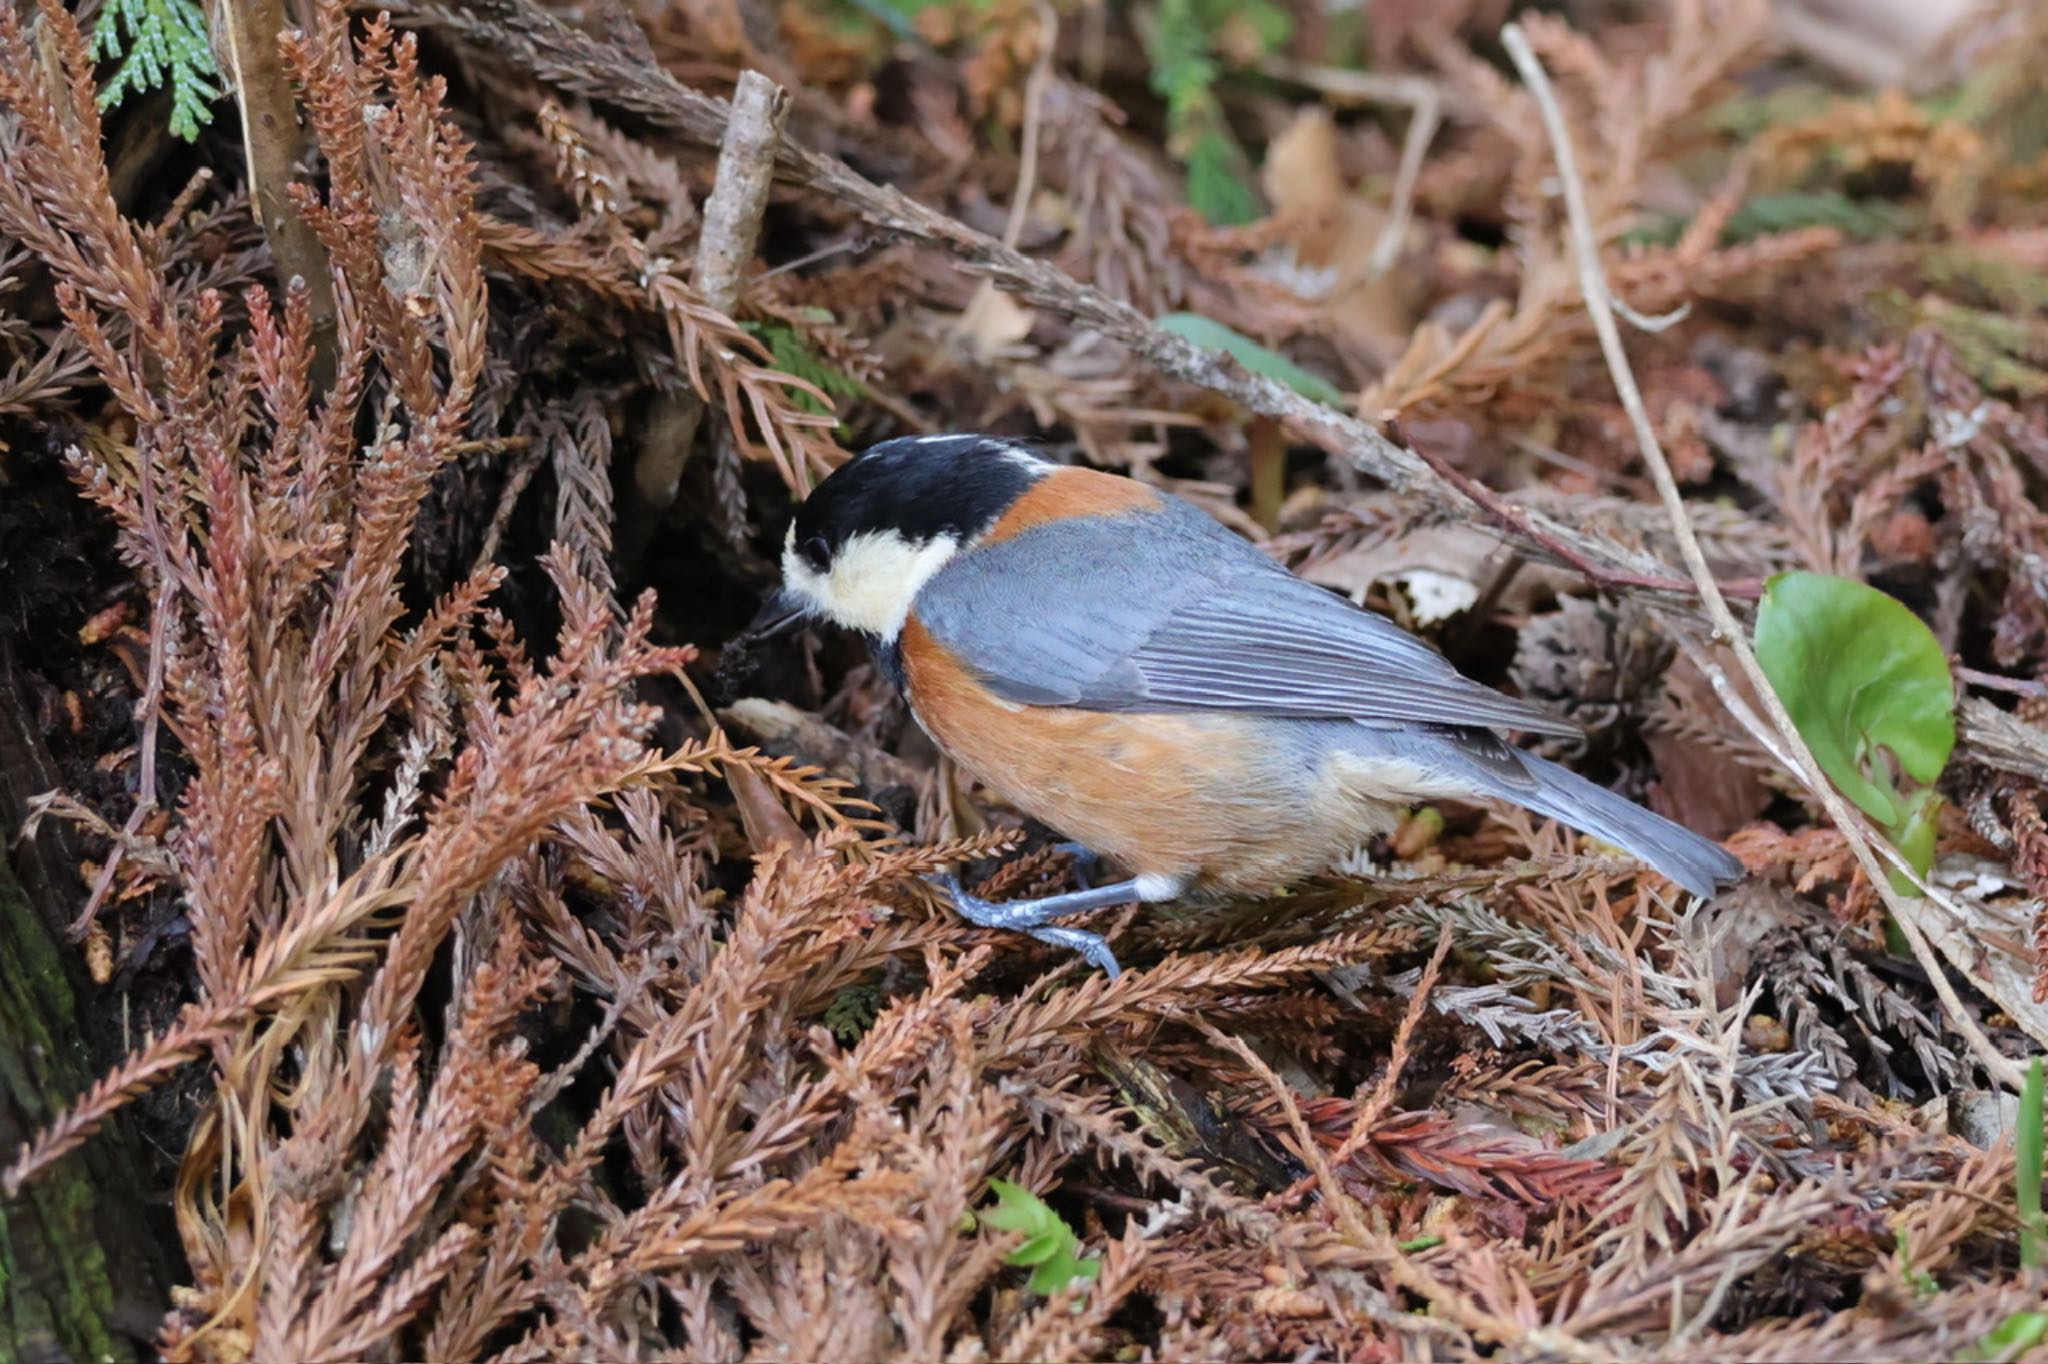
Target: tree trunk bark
<point x="83" y="1264"/>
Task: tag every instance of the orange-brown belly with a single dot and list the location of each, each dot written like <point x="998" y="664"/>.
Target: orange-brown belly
<point x="1206" y="799"/>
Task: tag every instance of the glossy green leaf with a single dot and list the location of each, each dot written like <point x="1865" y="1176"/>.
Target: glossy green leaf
<point x="1914" y="835"/>
<point x="1861" y="676"/>
<point x="1212" y="335"/>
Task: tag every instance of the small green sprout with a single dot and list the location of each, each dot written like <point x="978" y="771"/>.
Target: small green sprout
<point x="1919" y="1280"/>
<point x="1186" y="43"/>
<point x="1049" y="1244"/>
<point x="854" y="1010"/>
<point x="793" y="355"/>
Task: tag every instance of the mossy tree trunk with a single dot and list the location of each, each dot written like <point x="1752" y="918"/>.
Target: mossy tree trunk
<point x="81" y="1263"/>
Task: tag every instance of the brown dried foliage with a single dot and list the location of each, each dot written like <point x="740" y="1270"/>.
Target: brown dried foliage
<point x="537" y="1018"/>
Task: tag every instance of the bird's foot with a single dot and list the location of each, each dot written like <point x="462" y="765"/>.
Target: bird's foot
<point x="1036" y="917"/>
<point x="1086" y="862"/>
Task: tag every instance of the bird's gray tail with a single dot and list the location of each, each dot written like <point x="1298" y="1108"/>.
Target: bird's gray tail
<point x="1477" y="762"/>
<point x="1693" y="862"/>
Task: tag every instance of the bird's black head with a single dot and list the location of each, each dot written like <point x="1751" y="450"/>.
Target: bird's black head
<point x="874" y="532"/>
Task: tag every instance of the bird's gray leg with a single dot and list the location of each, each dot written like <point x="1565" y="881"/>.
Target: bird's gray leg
<point x="1086" y="860"/>
<point x="1036" y="916"/>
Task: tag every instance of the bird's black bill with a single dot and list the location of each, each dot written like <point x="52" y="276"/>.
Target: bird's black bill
<point x="780" y="614"/>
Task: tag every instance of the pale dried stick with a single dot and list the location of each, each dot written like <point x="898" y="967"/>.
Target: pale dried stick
<point x="1593" y="284"/>
<point x="732" y="227"/>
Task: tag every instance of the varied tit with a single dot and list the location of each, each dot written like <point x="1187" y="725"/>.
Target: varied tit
<point x="1112" y="661"/>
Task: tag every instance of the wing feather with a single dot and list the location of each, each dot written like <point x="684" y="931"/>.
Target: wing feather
<point x="1168" y="611"/>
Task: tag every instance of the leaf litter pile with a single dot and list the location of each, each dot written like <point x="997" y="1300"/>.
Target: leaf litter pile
<point x="509" y="974"/>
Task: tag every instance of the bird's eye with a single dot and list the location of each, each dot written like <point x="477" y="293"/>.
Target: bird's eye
<point x="817" y="552"/>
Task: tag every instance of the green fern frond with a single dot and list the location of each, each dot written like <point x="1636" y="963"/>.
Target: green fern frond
<point x="160" y="42"/>
<point x="793" y="355"/>
<point x="1182" y="49"/>
<point x="1217" y="187"/>
<point x="854" y="1010"/>
<point x="1182" y="70"/>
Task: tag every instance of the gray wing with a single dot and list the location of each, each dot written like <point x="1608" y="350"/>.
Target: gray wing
<point x="1168" y="611"/>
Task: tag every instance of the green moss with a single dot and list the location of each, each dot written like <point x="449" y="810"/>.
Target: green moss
<point x="56" y="1291"/>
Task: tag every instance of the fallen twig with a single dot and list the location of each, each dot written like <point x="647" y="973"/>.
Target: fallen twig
<point x="1593" y="284"/>
<point x="2018" y="686"/>
<point x="1517" y="521"/>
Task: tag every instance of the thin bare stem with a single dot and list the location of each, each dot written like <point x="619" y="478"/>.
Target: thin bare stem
<point x="1027" y="155"/>
<point x="1425" y="103"/>
<point x="732" y="227"/>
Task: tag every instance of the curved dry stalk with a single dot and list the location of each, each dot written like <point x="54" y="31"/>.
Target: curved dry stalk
<point x="1729" y="631"/>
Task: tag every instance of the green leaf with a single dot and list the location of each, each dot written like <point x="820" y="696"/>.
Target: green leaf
<point x="1050" y="1245"/>
<point x="1213" y="335"/>
<point x="159" y="42"/>
<point x="2027" y="1159"/>
<point x="1055" y="1274"/>
<point x="1913" y="836"/>
<point x="1042" y="1247"/>
<point x="1861" y="676"/>
<point x="2013" y="1337"/>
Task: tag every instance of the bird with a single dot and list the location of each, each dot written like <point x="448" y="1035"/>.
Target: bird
<point x="1114" y="662"/>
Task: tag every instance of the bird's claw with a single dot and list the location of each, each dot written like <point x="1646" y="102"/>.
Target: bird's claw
<point x="1092" y="946"/>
